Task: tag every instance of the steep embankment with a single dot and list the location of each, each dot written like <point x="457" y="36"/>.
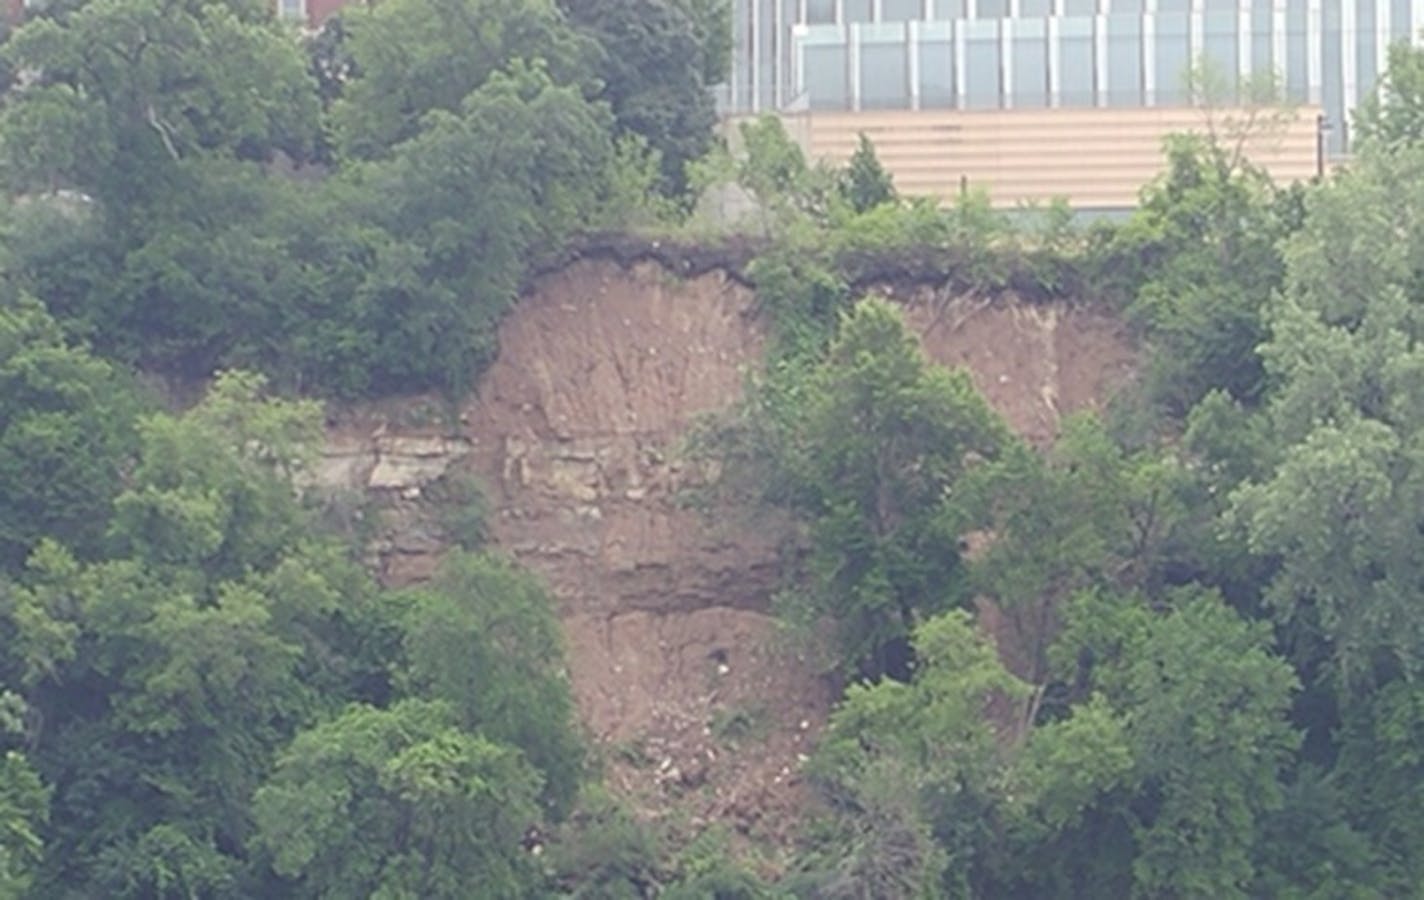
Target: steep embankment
<point x="677" y="668"/>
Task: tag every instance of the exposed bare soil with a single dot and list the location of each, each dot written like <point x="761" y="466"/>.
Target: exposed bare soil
<point x="702" y="710"/>
<point x="674" y="660"/>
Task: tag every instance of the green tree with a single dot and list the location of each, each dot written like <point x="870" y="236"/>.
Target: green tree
<point x="66" y="431"/>
<point x="1339" y="509"/>
<point x="482" y="637"/>
<point x="129" y="87"/>
<point x="1201" y="260"/>
<point x="657" y="60"/>
<point x="1308" y="849"/>
<point x="920" y="762"/>
<point x="1154" y="784"/>
<point x="1207" y="703"/>
<point x="1380" y="773"/>
<point x="24" y="809"/>
<point x="1393" y="114"/>
<point x="57" y="248"/>
<point x="1087" y="512"/>
<point x="164" y="679"/>
<point x="876" y="437"/>
<point x="534" y="161"/>
<point x="773" y="169"/>
<point x="211" y="494"/>
<point x="412" y="57"/>
<point x="865" y="184"/>
<point x="399" y="802"/>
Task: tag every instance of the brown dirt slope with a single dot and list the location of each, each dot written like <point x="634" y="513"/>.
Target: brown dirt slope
<point x="677" y="668"/>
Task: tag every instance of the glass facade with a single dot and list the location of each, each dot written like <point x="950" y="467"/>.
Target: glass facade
<point x="1003" y="54"/>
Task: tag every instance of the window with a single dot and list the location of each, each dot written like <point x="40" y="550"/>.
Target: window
<point x="993" y="9"/>
<point x="944" y="10"/>
<point x="856" y="10"/>
<point x="1364" y="46"/>
<point x="293" y="9"/>
<point x="1030" y="87"/>
<point x="826" y="72"/>
<point x="763" y="90"/>
<point x="1400" y="13"/>
<point x="1173" y="58"/>
<point x="819" y="12"/>
<point x="884" y="75"/>
<point x="1297" y="62"/>
<point x="741" y="88"/>
<point x="1075" y="62"/>
<point x="900" y="10"/>
<point x="1124" y="87"/>
<point x="937" y="72"/>
<point x="1219" y="34"/>
<point x="1332" y="87"/>
<point x="982" y="88"/>
<point x="1261" y="50"/>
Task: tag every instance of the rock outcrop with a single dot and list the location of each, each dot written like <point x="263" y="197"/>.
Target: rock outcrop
<point x="574" y="434"/>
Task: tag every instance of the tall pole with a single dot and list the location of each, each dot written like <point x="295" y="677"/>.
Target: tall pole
<point x="1320" y="146"/>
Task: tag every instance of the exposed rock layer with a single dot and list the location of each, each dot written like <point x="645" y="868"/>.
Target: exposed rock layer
<point x="573" y="433"/>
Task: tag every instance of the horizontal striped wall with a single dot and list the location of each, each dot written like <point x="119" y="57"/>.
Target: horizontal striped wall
<point x="1095" y="158"/>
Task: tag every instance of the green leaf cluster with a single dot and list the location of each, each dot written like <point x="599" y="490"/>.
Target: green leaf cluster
<point x="352" y="222"/>
<point x="184" y="698"/>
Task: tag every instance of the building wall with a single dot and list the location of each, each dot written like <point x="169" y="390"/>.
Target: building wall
<point x="1097" y="159"/>
<point x="318" y="11"/>
<point x="313" y="13"/>
<point x="1006" y="54"/>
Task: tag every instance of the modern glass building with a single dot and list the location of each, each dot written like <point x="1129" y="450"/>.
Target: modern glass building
<point x="1019" y="54"/>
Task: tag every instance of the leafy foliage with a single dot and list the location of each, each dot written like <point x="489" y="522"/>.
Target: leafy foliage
<point x="413" y="57"/>
<point x="1204" y="247"/>
<point x="865" y="184"/>
<point x="872" y="441"/>
<point x="65" y="431"/>
<point x="131" y="87"/>
<point x="1175" y="765"/>
<point x="398" y="802"/>
<point x="657" y="60"/>
<point x="482" y="615"/>
<point x="1175" y="654"/>
<point x="1339" y="508"/>
<point x="24" y="807"/>
<point x="167" y="677"/>
<point x="469" y="140"/>
<point x="1392" y="116"/>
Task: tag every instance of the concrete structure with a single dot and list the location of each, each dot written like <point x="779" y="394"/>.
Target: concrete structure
<point x="313" y="12"/>
<point x="1097" y="159"/>
<point x="855" y="55"/>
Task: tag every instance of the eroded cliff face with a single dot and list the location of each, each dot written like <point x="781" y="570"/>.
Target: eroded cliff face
<point x="679" y="672"/>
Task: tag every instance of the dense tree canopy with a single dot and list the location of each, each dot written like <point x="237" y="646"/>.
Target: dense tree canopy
<point x="66" y="429"/>
<point x="413" y="57"/>
<point x="1176" y="653"/>
<point x="128" y="89"/>
<point x="470" y="140"/>
<point x="872" y="441"/>
<point x="658" y="60"/>
<point x="216" y="627"/>
<point x="398" y="802"/>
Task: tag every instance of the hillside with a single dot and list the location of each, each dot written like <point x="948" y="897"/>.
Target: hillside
<point x="575" y="432"/>
<point x="436" y="460"/>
